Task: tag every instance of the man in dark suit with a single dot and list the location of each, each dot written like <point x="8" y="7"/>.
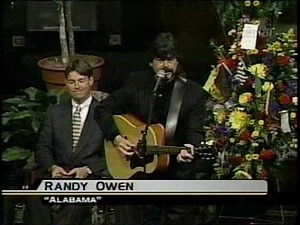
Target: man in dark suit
<point x="71" y="144"/>
<point x="165" y="83"/>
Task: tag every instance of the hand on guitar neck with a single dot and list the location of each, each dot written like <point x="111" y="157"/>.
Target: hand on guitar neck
<point x="128" y="149"/>
<point x="185" y="155"/>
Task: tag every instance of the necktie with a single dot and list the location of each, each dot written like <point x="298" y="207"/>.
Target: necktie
<point x="76" y="126"/>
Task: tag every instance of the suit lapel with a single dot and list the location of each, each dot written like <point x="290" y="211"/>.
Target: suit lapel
<point x="67" y="125"/>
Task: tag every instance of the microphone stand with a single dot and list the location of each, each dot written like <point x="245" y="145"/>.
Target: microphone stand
<point x="143" y="142"/>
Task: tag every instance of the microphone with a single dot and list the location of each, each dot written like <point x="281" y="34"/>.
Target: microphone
<point x="160" y="76"/>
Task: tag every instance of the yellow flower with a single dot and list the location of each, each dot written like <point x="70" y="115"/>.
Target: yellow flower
<point x="247" y="3"/>
<point x="233" y="48"/>
<point x="231" y="140"/>
<point x="232" y="32"/>
<point x="252" y="156"/>
<point x="293" y="115"/>
<point x="242" y="175"/>
<point x="255" y="134"/>
<point x="289" y="36"/>
<point x="245" y="98"/>
<point x="255" y="144"/>
<point x="220" y="116"/>
<point x="248" y="157"/>
<point x="252" y="51"/>
<point x="261" y="122"/>
<point x="241" y="142"/>
<point x="268" y="86"/>
<point x="256" y="22"/>
<point x="255" y="156"/>
<point x="259" y="70"/>
<point x="238" y="120"/>
<point x="275" y="47"/>
<point x="295" y="100"/>
<point x="256" y="3"/>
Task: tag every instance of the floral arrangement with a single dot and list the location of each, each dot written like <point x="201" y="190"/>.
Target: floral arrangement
<point x="254" y="101"/>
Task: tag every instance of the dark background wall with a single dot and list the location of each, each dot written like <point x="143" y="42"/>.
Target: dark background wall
<point x="193" y="22"/>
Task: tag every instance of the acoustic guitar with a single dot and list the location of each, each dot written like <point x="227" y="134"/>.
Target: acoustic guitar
<point x="156" y="158"/>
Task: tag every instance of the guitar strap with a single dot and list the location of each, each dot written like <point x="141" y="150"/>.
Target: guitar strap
<point x="176" y="100"/>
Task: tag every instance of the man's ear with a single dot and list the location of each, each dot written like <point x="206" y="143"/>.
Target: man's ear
<point x="150" y="64"/>
<point x="91" y="81"/>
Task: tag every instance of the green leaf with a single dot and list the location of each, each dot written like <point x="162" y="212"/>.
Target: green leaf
<point x="12" y="116"/>
<point x="6" y="135"/>
<point x="35" y="124"/>
<point x="14" y="100"/>
<point x="265" y="137"/>
<point x="15" y="153"/>
<point x="31" y="92"/>
<point x="5" y="120"/>
<point x="30" y="104"/>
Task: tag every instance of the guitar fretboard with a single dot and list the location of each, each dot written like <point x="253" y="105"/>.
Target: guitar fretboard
<point x="173" y="150"/>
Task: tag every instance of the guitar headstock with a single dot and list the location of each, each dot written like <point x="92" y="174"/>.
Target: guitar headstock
<point x="205" y="151"/>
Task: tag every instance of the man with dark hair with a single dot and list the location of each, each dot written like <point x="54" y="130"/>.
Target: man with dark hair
<point x="71" y="144"/>
<point x="165" y="82"/>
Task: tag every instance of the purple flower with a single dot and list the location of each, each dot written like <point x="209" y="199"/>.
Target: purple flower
<point x="268" y="60"/>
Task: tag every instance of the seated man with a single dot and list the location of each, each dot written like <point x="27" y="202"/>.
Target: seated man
<point x="70" y="146"/>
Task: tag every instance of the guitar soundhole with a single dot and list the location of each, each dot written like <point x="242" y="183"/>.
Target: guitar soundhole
<point x="136" y="161"/>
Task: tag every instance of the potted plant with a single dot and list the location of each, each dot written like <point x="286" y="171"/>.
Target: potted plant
<point x="21" y="119"/>
<point x="52" y="68"/>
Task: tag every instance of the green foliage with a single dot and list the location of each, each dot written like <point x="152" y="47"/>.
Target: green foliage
<point x="22" y="119"/>
<point x="230" y="12"/>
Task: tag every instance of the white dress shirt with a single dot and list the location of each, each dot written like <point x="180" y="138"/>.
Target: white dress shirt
<point x="84" y="109"/>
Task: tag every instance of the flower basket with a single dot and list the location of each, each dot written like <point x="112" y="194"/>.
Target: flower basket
<point x="254" y="100"/>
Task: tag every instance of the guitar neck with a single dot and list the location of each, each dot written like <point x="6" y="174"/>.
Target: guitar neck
<point x="174" y="150"/>
<point x="171" y="150"/>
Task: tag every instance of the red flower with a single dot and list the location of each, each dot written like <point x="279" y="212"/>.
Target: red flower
<point x="221" y="141"/>
<point x="236" y="160"/>
<point x="249" y="82"/>
<point x="245" y="136"/>
<point x="283" y="60"/>
<point x="281" y="86"/>
<point x="285" y="99"/>
<point x="231" y="63"/>
<point x="267" y="155"/>
<point x="264" y="175"/>
<point x="262" y="40"/>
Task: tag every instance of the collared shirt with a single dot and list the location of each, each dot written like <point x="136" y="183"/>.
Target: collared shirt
<point x="84" y="108"/>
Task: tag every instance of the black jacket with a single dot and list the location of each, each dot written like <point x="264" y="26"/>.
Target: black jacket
<point x="134" y="97"/>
